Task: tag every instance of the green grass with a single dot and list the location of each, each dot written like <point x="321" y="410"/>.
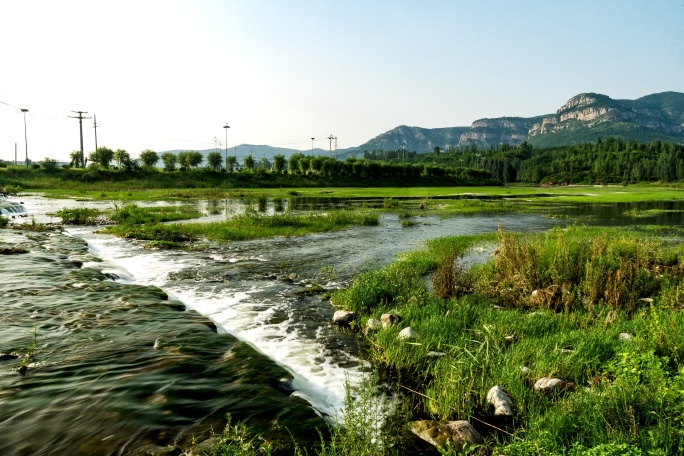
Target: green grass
<point x="246" y="227"/>
<point x="626" y="395"/>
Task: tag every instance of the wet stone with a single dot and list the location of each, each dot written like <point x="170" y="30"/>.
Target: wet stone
<point x="438" y="433"/>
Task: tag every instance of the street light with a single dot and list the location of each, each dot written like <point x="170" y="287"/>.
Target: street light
<point x="226" y="126"/>
<point x="312" y="138"/>
<point x="25" y="137"/>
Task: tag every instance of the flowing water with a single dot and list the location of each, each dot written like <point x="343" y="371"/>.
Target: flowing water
<point x="119" y="367"/>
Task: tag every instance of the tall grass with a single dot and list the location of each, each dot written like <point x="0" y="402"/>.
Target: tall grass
<point x="622" y="395"/>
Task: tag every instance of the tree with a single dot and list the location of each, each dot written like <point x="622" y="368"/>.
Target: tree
<point x="102" y="156"/>
<point x="49" y="164"/>
<point x="278" y="163"/>
<point x="231" y="161"/>
<point x="184" y="160"/>
<point x="195" y="158"/>
<point x="122" y="158"/>
<point x="149" y="158"/>
<point x="264" y="163"/>
<point x="293" y="163"/>
<point x="169" y="159"/>
<point x="249" y="162"/>
<point x="76" y="159"/>
<point x="214" y="161"/>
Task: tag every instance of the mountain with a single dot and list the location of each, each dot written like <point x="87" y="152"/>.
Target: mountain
<point x="584" y="118"/>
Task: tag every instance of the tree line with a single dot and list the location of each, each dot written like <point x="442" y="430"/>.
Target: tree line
<point x="609" y="160"/>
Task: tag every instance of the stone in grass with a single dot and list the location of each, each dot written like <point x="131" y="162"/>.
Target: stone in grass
<point x="625" y="336"/>
<point x="503" y="406"/>
<point x="407" y="334"/>
<point x="389" y="319"/>
<point x="343" y="317"/>
<point x="438" y="433"/>
<point x="373" y="324"/>
<point x="549" y="385"/>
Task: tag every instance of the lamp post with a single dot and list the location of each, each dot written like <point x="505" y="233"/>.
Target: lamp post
<point x="25" y="137"/>
<point x="312" y="139"/>
<point x="226" y="127"/>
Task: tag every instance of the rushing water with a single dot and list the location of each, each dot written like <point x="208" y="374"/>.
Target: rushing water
<point x="119" y="367"/>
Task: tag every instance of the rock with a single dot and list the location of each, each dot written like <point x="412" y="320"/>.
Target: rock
<point x="625" y="336"/>
<point x="438" y="433"/>
<point x="435" y="354"/>
<point x="373" y="324"/>
<point x="503" y="406"/>
<point x="157" y="344"/>
<point x="549" y="385"/>
<point x="8" y="356"/>
<point x="389" y="320"/>
<point x="535" y="293"/>
<point x="407" y="333"/>
<point x="524" y="370"/>
<point x="203" y="447"/>
<point x="343" y="317"/>
<point x="510" y="338"/>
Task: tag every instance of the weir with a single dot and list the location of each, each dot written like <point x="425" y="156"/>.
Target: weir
<point x="11" y="208"/>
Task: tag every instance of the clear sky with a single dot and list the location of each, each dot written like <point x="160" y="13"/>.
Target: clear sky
<point x="169" y="74"/>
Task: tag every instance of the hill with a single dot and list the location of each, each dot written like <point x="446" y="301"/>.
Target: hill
<point x="584" y="118"/>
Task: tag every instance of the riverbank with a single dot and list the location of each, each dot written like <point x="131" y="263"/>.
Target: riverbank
<point x="579" y="329"/>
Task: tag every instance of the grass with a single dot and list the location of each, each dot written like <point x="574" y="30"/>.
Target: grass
<point x="246" y="227"/>
<point x="592" y="285"/>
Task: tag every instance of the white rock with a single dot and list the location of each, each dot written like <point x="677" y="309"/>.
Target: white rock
<point x="547" y="385"/>
<point x="625" y="336"/>
<point x="407" y="333"/>
<point x="436" y="354"/>
<point x="524" y="370"/>
<point x="343" y="317"/>
<point x="373" y="324"/>
<point x="503" y="406"/>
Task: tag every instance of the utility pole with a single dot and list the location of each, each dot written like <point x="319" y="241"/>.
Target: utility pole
<point x="80" y="125"/>
<point x="226" y="127"/>
<point x="15" y="154"/>
<point x="335" y="147"/>
<point x="25" y="137"/>
<point x="312" y="139"/>
<point x="95" y="127"/>
<point x="331" y="137"/>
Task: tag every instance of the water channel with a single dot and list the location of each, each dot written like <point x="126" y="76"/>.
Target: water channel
<point x="143" y="349"/>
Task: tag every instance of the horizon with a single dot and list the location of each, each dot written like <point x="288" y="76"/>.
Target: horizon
<point x="167" y="75"/>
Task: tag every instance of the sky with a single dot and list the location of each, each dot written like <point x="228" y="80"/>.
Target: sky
<point x="170" y="74"/>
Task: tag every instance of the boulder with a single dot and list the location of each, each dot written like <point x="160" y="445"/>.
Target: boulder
<point x="407" y="333"/>
<point x="549" y="385"/>
<point x="389" y="320"/>
<point x="343" y="317"/>
<point x="503" y="406"/>
<point x="373" y="324"/>
<point x="438" y="433"/>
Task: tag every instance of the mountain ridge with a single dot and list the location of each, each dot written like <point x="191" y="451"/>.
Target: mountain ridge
<point x="583" y="118"/>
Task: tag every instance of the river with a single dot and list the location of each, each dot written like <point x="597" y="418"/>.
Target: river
<point x="127" y="358"/>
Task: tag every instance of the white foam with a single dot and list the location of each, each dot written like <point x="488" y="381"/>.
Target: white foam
<point x="318" y="376"/>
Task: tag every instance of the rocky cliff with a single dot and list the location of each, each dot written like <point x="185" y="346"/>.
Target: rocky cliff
<point x="585" y="117"/>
